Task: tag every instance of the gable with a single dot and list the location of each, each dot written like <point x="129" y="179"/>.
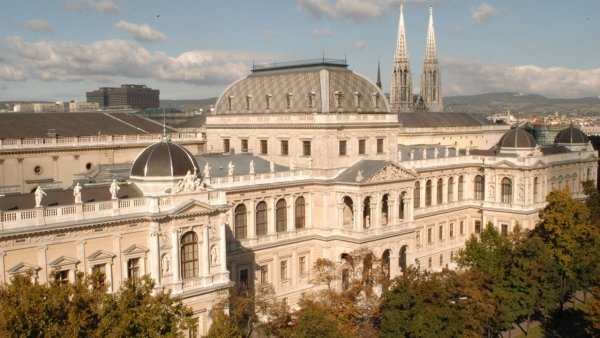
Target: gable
<point x="135" y="249"/>
<point x="391" y="172"/>
<point x="63" y="260"/>
<point x="193" y="207"/>
<point x="100" y="254"/>
<point x="23" y="268"/>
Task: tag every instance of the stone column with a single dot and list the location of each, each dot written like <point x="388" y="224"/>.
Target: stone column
<point x="223" y="245"/>
<point x="271" y="219"/>
<point x="81" y="256"/>
<point x="308" y="210"/>
<point x="251" y="220"/>
<point x="358" y="214"/>
<point x="445" y="190"/>
<point x="393" y="212"/>
<point x="175" y="256"/>
<point x="290" y="213"/>
<point x="42" y="262"/>
<point x="205" y="251"/>
<point x="2" y="268"/>
<point x="119" y="263"/>
<point x="375" y="211"/>
<point x="154" y="254"/>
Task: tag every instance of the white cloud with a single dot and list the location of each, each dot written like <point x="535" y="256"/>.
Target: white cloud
<point x="321" y="32"/>
<point x="73" y="61"/>
<point x="39" y="25"/>
<point x="142" y="33"/>
<point x="102" y="6"/>
<point x="483" y="12"/>
<point x="360" y="44"/>
<point x="465" y="77"/>
<point x="350" y="10"/>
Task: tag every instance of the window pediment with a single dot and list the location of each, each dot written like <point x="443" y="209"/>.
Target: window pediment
<point x="391" y="172"/>
<point x="100" y="255"/>
<point x="63" y="261"/>
<point x="23" y="268"/>
<point x="135" y="250"/>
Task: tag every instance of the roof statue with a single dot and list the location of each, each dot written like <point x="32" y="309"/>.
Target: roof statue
<point x="230" y="168"/>
<point x="251" y="167"/>
<point x="39" y="194"/>
<point x="77" y="193"/>
<point x="207" y="170"/>
<point x="114" y="189"/>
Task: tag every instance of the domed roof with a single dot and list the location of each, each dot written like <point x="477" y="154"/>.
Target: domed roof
<point x="571" y="135"/>
<point x="164" y="159"/>
<point x="313" y="86"/>
<point x="517" y="138"/>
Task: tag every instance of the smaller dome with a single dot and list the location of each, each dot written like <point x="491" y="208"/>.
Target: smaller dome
<point x="517" y="138"/>
<point x="164" y="159"/>
<point x="571" y="135"/>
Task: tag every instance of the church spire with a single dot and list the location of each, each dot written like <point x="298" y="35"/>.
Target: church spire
<point x="378" y="74"/>
<point x="431" y="84"/>
<point x="401" y="91"/>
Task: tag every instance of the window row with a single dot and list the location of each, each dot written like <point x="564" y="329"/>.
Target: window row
<point x="284" y="148"/>
<point x="312" y="100"/>
<point x="261" y="217"/>
<point x="362" y="147"/>
<point x="443" y="232"/>
<point x="439" y="191"/>
<point x="284" y="270"/>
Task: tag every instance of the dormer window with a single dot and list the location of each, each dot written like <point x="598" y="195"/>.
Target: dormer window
<point x="311" y="99"/>
<point x="230" y="102"/>
<point x="248" y="102"/>
<point x="268" y="97"/>
<point x="338" y="98"/>
<point x="357" y="99"/>
<point x="288" y="96"/>
<point x="375" y="97"/>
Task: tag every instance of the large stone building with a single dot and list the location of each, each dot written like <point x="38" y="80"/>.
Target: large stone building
<point x="128" y="95"/>
<point x="300" y="161"/>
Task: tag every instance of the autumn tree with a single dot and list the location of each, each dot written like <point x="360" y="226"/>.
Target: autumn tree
<point x="314" y="319"/>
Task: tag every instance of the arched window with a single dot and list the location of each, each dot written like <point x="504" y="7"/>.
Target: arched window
<point x="506" y="190"/>
<point x="281" y="215"/>
<point x="536" y="182"/>
<point x="240" y="222"/>
<point x="417" y="195"/>
<point x="348" y="213"/>
<point x="401" y="210"/>
<point x="261" y="219"/>
<point x="428" y="193"/>
<point x="461" y="186"/>
<point x="384" y="209"/>
<point x="440" y="191"/>
<point x="385" y="262"/>
<point x="478" y="188"/>
<point x="451" y="189"/>
<point x="367" y="213"/>
<point x="299" y="212"/>
<point x="402" y="258"/>
<point x="189" y="255"/>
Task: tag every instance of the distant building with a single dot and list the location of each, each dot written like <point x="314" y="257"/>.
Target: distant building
<point x="75" y="106"/>
<point x="128" y="95"/>
<point x="43" y="107"/>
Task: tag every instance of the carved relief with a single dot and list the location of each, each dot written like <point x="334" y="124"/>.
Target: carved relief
<point x="390" y="172"/>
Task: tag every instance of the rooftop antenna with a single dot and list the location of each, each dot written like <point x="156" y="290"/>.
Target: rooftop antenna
<point x="164" y="125"/>
<point x="323" y="55"/>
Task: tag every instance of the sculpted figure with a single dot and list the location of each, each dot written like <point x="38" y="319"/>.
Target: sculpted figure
<point x="272" y="166"/>
<point x="114" y="189"/>
<point x="230" y="168"/>
<point x="165" y="264"/>
<point x="77" y="193"/>
<point x="214" y="255"/>
<point x="207" y="170"/>
<point x="39" y="194"/>
<point x="251" y="167"/>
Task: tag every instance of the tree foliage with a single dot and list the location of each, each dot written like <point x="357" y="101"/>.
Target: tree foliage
<point x="84" y="309"/>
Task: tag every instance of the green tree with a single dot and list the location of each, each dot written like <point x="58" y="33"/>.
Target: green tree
<point x="222" y="326"/>
<point x="138" y="310"/>
<point x="313" y="319"/>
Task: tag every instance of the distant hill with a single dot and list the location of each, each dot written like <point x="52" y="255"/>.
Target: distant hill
<point x="521" y="103"/>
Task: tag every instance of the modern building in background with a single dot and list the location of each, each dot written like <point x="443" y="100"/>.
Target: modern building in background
<point x="128" y="95"/>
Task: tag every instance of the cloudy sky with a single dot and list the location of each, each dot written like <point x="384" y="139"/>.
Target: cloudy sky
<point x="189" y="49"/>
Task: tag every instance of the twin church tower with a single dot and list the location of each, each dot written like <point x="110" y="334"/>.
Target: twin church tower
<point x="401" y="94"/>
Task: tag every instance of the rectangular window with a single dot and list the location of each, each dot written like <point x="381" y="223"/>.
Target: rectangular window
<point x="441" y="232"/>
<point x="362" y="147"/>
<point x="62" y="276"/>
<point x="133" y="268"/>
<point x="225" y="145"/>
<point x="345" y="279"/>
<point x="284" y="148"/>
<point x="193" y="328"/>
<point x="302" y="265"/>
<point x="283" y="273"/>
<point x="244" y="145"/>
<point x="477" y="227"/>
<point x="100" y="271"/>
<point x="264" y="150"/>
<point x="264" y="274"/>
<point x="380" y="146"/>
<point x="342" y="148"/>
<point x="429" y="235"/>
<point x="243" y="277"/>
<point x="504" y="229"/>
<point x="442" y="260"/>
<point x="451" y="230"/>
<point x="418" y="238"/>
<point x="306" y="148"/>
<point x="462" y="228"/>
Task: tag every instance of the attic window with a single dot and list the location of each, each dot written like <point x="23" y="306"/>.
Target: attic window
<point x="375" y="99"/>
<point x="248" y="102"/>
<point x="357" y="99"/>
<point x="311" y="99"/>
<point x="338" y="96"/>
<point x="288" y="96"/>
<point x="268" y="100"/>
<point x="230" y="102"/>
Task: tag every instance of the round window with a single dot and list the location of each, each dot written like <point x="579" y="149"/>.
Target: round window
<point x="38" y="170"/>
<point x="88" y="165"/>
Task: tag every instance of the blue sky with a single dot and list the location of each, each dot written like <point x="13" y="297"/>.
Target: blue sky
<point x="57" y="50"/>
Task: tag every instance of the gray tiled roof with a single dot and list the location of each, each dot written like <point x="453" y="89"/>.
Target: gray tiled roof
<point x="24" y="125"/>
<point x="368" y="167"/>
<point x="96" y="193"/>
<point x="219" y="164"/>
<point x="432" y="119"/>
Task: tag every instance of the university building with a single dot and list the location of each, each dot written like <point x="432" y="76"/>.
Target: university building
<point x="300" y="161"/>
